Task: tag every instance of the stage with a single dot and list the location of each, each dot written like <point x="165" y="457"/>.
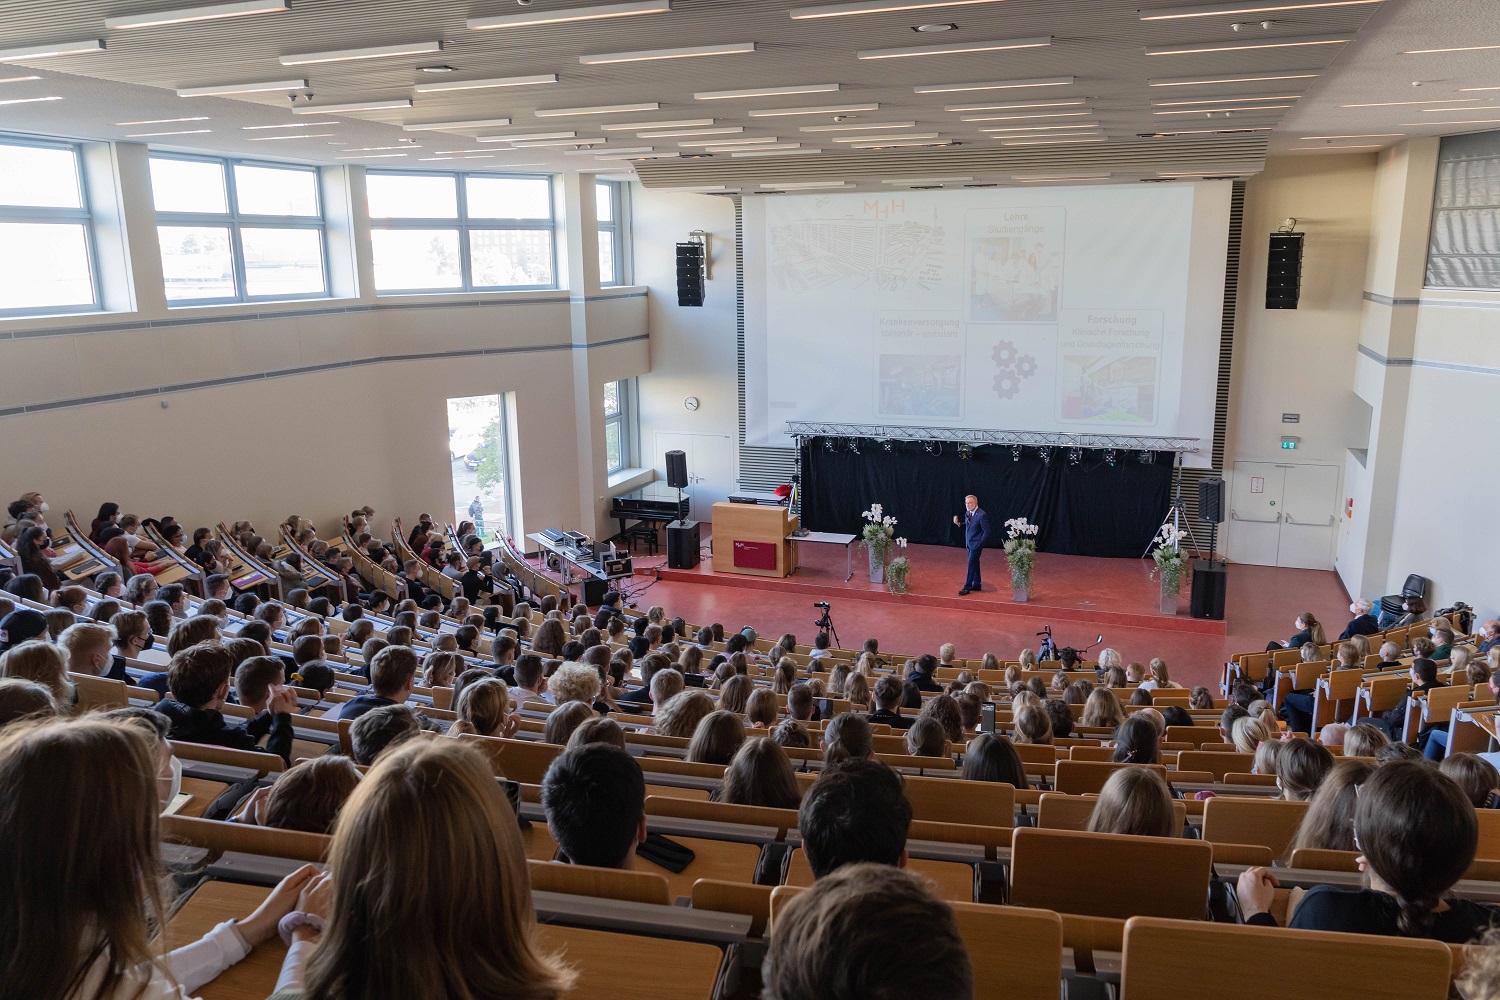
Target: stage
<point x="1079" y="596"/>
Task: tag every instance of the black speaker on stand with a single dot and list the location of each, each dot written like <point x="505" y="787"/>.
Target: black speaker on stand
<point x="677" y="476"/>
<point x="682" y="536"/>
<point x="1210" y="576"/>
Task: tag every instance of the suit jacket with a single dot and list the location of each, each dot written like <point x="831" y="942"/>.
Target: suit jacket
<point x="976" y="529"/>
<point x="1362" y="625"/>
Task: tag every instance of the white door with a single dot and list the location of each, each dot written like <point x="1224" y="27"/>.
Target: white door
<point x="1309" y="517"/>
<point x="1283" y="515"/>
<point x="1255" y="512"/>
<point x="709" y="466"/>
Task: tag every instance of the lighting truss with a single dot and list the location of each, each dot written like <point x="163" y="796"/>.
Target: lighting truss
<point x="805" y="429"/>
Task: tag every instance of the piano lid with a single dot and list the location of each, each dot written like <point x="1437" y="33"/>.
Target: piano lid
<point x="658" y="491"/>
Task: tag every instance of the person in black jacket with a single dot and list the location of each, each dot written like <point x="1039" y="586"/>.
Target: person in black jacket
<point x="888" y="704"/>
<point x="393" y="672"/>
<point x="1364" y="621"/>
<point x="1417" y="834"/>
<point x="608" y="608"/>
<point x="922" y="673"/>
<point x="198" y="679"/>
<point x="411" y="575"/>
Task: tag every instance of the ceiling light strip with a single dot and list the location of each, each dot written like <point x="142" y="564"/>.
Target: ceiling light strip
<point x="886" y="138"/>
<point x="956" y="48"/>
<point x="227" y="89"/>
<point x="1249" y="8"/>
<point x="449" y="126"/>
<point x="728" y="95"/>
<point x="876" y="7"/>
<point x="1291" y="42"/>
<point x="207" y="12"/>
<point x="603" y="109"/>
<point x="1269" y="76"/>
<point x="526" y="136"/>
<point x="370" y="52"/>
<point x="337" y="109"/>
<point x="830" y="110"/>
<point x="499" y="81"/>
<point x="953" y="88"/>
<point x="568" y="15"/>
<point x="46" y="50"/>
<point x="1022" y="118"/>
<point x="675" y="133"/>
<point x="1214" y="111"/>
<point x="1225" y="100"/>
<point x="856" y="128"/>
<point x="643" y="126"/>
<point x="649" y="55"/>
<point x="1017" y="105"/>
<point x="40" y="100"/>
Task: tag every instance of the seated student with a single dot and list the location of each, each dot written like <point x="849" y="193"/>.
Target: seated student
<point x="1436" y="745"/>
<point x="483" y="708"/>
<point x="1136" y="801"/>
<point x="1365" y="739"/>
<point x="255" y="680"/>
<point x="1030" y="723"/>
<point x="1102" y="709"/>
<point x="1424" y="677"/>
<point x="564" y="719"/>
<point x="855" y="811"/>
<point x="717" y="738"/>
<point x="852" y="934"/>
<point x="1475" y="775"/>
<point x="926" y="738"/>
<point x="1417" y="834"/>
<point x="680" y="715"/>
<point x="650" y="665"/>
<point x="307" y="797"/>
<point x="82" y="800"/>
<point x="1364" y="621"/>
<point x="198" y="679"/>
<point x="799" y="704"/>
<point x="1301" y="766"/>
<point x="1309" y="630"/>
<point x="393" y="673"/>
<point x="432" y="808"/>
<point x="1137" y="741"/>
<point x="849" y="737"/>
<point x="381" y="728"/>
<point x="921" y="673"/>
<point x="595" y="800"/>
<point x="821" y="642"/>
<point x="792" y="734"/>
<point x="888" y="704"/>
<point x="1328" y="823"/>
<point x="88" y="646"/>
<point x="42" y="663"/>
<point x="1058" y="714"/>
<point x="993" y="758"/>
<point x="761" y="775"/>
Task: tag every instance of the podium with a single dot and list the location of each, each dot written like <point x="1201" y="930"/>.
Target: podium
<point x="752" y="539"/>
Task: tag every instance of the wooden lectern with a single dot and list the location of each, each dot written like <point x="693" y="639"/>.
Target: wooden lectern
<point x="751" y="539"/>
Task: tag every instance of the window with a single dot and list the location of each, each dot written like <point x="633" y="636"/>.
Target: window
<point x="46" y="234"/>
<point x="461" y="232"/>
<point x="1464" y="249"/>
<point x="479" y="451"/>
<point x="619" y="424"/>
<point x="611" y="244"/>
<point x="233" y="231"/>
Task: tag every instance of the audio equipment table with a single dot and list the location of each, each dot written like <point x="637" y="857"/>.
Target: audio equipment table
<point x="826" y="538"/>
<point x="593" y="570"/>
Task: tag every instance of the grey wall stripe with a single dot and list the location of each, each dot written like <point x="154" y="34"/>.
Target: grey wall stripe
<point x="1386" y="300"/>
<point x="162" y="390"/>
<point x="560" y="298"/>
<point x="1445" y="366"/>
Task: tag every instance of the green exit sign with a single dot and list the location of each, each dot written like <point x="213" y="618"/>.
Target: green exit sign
<point x="1289" y="443"/>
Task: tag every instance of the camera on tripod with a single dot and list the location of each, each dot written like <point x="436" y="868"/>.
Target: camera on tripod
<point x="825" y="623"/>
<point x="821" y="604"/>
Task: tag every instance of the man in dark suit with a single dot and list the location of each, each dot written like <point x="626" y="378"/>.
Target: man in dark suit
<point x="976" y="525"/>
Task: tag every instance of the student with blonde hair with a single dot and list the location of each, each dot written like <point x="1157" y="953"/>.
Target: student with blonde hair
<point x="1159" y="678"/>
<point x="857" y="692"/>
<point x="717" y="738"/>
<point x="1025" y="660"/>
<point x="762" y="709"/>
<point x="1102" y="710"/>
<point x="87" y="646"/>
<point x="439" y="668"/>
<point x="484" y="709"/>
<point x="1364" y="740"/>
<point x="563" y="720"/>
<point x="838" y="679"/>
<point x="680" y="715"/>
<point x="1135" y="801"/>
<point x="1031" y="724"/>
<point x="1250" y="731"/>
<point x="80" y="833"/>
<point x="426" y="860"/>
<point x="575" y="682"/>
<point x="43" y="663"/>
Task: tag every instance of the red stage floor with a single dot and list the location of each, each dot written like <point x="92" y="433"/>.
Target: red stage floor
<point x="1079" y="596"/>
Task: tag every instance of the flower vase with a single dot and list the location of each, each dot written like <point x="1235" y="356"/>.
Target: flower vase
<point x="1020" y="588"/>
<point x="1171" y="587"/>
<point x="877" y="565"/>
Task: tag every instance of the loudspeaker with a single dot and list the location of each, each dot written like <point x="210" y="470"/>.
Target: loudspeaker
<point x="1284" y="271"/>
<point x="682" y="544"/>
<point x="690" y="274"/>
<point x="677" y="470"/>
<point x="594" y="590"/>
<point x="1210" y="584"/>
<point x="1211" y="499"/>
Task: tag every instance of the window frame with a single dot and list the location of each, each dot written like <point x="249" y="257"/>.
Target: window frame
<point x="39" y="214"/>
<point x="464" y="225"/>
<point x="615" y="228"/>
<point x="235" y="221"/>
<point x="625" y="420"/>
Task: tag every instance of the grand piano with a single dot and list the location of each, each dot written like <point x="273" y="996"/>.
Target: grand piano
<point x="656" y="504"/>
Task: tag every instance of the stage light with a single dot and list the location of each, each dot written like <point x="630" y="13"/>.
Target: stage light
<point x="1109" y="458"/>
<point x="966" y="452"/>
<point x="1015" y="453"/>
<point x="888" y="445"/>
<point x="929" y="447"/>
<point x="1147" y="457"/>
<point x="853" y="446"/>
<point x="1075" y="455"/>
<point x="1046" y="454"/>
<point x="828" y="444"/>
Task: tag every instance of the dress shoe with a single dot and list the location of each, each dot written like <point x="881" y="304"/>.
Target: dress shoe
<point x="965" y="592"/>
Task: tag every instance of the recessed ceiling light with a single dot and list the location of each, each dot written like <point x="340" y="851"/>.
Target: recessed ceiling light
<point x="1459" y="111"/>
<point x="47" y="51"/>
<point x="18" y="79"/>
<point x="1244" y="7"/>
<point x="569" y="14"/>
<point x="1224" y="100"/>
<point x="334" y="109"/>
<point x="257" y="128"/>
<point x="674" y="133"/>
<point x="531" y="143"/>
<point x="1210" y="131"/>
<point x="956" y="48"/>
<point x="885" y="138"/>
<point x="499" y="81"/>
<point x="615" y="149"/>
<point x="729" y="142"/>
<point x="1367" y="135"/>
<point x="1020" y="118"/>
<point x="650" y="55"/>
<point x="604" y="109"/>
<point x="30" y="100"/>
<point x="445" y="126"/>
<point x="296" y="135"/>
<point x="953" y="88"/>
<point x="148" y="135"/>
<point x="370" y="156"/>
<point x="1189" y="81"/>
<point x="1036" y="178"/>
<point x="867" y="127"/>
<point x="1043" y="128"/>
<point x="1397" y="104"/>
<point x="371" y="52"/>
<point x="1461" y="48"/>
<point x="638" y="156"/>
<point x="642" y="126"/>
<point x="926" y="180"/>
<point x="875" y="7"/>
<point x="1326" y="149"/>
<point x="775" y="152"/>
<point x="738" y="149"/>
<point x="529" y="135"/>
<point x="376" y="149"/>
<point x="1054" y="141"/>
<point x="934" y="28"/>
<point x="164" y="121"/>
<point x="1072" y="103"/>
<point x="1461" y="90"/>
<point x="226" y="89"/>
<point x="900" y="142"/>
<point x="208" y="12"/>
<point x="1200" y="111"/>
<point x="436" y="69"/>
<point x="831" y="110"/>
<point x="1463" y="121"/>
<point x="807" y="88"/>
<point x="1195" y="48"/>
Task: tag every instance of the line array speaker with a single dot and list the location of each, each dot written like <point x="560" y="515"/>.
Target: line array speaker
<point x="1284" y="271"/>
<point x="690" y="274"/>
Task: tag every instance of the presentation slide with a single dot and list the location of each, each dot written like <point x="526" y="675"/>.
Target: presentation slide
<point x="1064" y="309"/>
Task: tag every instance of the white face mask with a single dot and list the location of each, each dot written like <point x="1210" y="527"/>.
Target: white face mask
<point x="174" y="786"/>
<point x="45" y="506"/>
<point x="1432" y="633"/>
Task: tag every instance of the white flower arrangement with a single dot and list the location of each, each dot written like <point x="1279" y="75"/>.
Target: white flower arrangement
<point x="1167" y="554"/>
<point x="1019" y="527"/>
<point x="1020" y="551"/>
<point x="879" y="530"/>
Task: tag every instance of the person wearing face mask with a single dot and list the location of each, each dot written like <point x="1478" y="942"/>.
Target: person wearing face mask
<point x="87" y="646"/>
<point x="132" y="638"/>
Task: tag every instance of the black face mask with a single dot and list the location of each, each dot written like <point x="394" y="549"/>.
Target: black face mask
<point x="150" y="641"/>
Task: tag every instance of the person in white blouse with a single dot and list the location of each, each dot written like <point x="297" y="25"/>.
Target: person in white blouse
<point x="1158" y="678"/>
<point x="79" y="835"/>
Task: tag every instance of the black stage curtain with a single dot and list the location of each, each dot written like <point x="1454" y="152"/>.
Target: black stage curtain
<point x="1088" y="509"/>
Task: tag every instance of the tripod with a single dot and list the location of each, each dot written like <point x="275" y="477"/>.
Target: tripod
<point x="825" y="624"/>
<point x="1174" y="515"/>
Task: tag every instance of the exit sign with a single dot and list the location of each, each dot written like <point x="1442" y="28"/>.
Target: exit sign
<point x="1288" y="444"/>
